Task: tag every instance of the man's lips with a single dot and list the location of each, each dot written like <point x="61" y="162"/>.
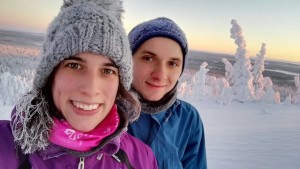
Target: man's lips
<point x="155" y="85"/>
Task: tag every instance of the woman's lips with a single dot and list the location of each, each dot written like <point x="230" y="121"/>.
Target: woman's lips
<point x="85" y="109"/>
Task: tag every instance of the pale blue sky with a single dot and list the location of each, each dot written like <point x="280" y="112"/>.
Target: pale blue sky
<point x="206" y="22"/>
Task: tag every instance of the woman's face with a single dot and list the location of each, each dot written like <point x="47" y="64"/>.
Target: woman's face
<point x="84" y="89"/>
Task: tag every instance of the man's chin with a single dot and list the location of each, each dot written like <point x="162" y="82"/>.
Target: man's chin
<point x="153" y="98"/>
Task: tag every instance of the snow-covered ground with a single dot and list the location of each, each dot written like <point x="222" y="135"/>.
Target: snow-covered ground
<point x="248" y="129"/>
<point x="252" y="135"/>
<point x="246" y="136"/>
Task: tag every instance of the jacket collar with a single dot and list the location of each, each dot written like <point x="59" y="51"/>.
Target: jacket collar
<point x="154" y="107"/>
<point x="110" y="145"/>
<point x="164" y="116"/>
<point x="54" y="151"/>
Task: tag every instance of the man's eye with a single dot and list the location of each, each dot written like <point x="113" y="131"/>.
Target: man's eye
<point x="74" y="65"/>
<point x="147" y="58"/>
<point x="173" y="64"/>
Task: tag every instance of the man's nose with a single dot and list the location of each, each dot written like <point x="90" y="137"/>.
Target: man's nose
<point x="159" y="72"/>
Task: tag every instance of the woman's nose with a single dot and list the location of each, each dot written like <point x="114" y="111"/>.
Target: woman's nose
<point x="91" y="83"/>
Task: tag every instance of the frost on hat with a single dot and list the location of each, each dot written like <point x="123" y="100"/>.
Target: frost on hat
<point x="86" y="26"/>
<point x="159" y="27"/>
<point x="81" y="26"/>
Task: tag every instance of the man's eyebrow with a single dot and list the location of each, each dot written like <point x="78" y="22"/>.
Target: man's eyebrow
<point x="155" y="55"/>
<point x="149" y="52"/>
<point x="176" y="59"/>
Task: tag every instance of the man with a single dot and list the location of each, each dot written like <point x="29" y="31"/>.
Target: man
<point x="171" y="127"/>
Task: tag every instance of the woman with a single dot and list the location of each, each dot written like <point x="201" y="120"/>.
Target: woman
<point x="76" y="115"/>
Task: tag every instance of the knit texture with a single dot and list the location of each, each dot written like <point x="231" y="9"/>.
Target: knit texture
<point x="159" y="27"/>
<point x="155" y="107"/>
<point x="81" y="26"/>
<point x="86" y="26"/>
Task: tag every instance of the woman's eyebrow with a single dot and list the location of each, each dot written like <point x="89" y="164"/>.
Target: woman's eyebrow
<point x="75" y="58"/>
<point x="111" y="64"/>
<point x="83" y="60"/>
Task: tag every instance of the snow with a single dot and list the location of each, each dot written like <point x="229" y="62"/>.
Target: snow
<point x="238" y="135"/>
<point x="241" y="133"/>
<point x="245" y="135"/>
<point x="5" y="112"/>
<point x="251" y="135"/>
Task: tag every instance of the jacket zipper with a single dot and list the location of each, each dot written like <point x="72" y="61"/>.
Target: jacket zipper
<point x="81" y="163"/>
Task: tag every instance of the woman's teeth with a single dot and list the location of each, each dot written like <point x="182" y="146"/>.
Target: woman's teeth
<point x="85" y="106"/>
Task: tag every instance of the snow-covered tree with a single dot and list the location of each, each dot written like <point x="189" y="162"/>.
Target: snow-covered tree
<point x="211" y="81"/>
<point x="200" y="89"/>
<point x="242" y="76"/>
<point x="296" y="97"/>
<point x="257" y="70"/>
<point x="12" y="87"/>
<point x="288" y="100"/>
<point x="228" y="71"/>
<point x="200" y="76"/>
<point x="270" y="95"/>
<point x="224" y="92"/>
<point x="185" y="90"/>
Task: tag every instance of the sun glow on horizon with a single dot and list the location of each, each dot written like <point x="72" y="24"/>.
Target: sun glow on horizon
<point x="272" y="23"/>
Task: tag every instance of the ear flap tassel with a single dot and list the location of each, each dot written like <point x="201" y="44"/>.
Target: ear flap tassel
<point x="31" y="122"/>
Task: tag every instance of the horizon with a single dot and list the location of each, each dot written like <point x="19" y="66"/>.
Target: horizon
<point x="208" y="25"/>
<point x="190" y="50"/>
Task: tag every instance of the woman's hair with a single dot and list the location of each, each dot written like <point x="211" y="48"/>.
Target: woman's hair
<point x="128" y="101"/>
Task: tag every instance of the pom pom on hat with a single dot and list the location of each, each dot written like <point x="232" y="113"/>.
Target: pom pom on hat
<point x="115" y="7"/>
<point x="81" y="26"/>
<point x="159" y="27"/>
<point x="86" y="26"/>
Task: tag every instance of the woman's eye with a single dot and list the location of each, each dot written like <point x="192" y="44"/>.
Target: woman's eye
<point x="108" y="71"/>
<point x="74" y="65"/>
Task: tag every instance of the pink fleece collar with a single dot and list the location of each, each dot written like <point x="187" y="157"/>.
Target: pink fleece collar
<point x="64" y="135"/>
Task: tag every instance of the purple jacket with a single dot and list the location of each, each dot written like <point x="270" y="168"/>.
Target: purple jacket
<point x="139" y="155"/>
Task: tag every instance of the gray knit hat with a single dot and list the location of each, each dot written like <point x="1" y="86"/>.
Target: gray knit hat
<point x="81" y="26"/>
<point x="159" y="27"/>
<point x="86" y="26"/>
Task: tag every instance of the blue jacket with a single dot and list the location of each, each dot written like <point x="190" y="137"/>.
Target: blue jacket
<point x="176" y="136"/>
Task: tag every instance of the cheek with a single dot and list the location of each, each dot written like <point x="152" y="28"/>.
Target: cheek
<point x="142" y="71"/>
<point x="174" y="78"/>
<point x="61" y="87"/>
<point x="63" y="84"/>
<point x="110" y="89"/>
<point x="137" y="75"/>
<point x="136" y="70"/>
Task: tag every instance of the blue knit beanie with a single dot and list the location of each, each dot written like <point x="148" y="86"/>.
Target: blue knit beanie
<point x="159" y="27"/>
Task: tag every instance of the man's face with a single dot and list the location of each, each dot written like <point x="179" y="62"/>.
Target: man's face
<point x="157" y="67"/>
